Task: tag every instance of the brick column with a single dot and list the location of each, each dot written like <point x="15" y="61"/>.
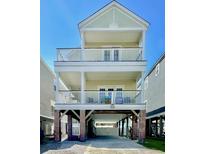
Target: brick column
<point x="69" y="115"/>
<point x="82" y="125"/>
<point x="57" y="125"/>
<point x="123" y="122"/>
<point x="134" y="127"/>
<point x="142" y="126"/>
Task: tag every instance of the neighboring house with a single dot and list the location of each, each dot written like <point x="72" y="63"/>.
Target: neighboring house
<point x="154" y="96"/>
<point x="103" y="76"/>
<point x="47" y="100"/>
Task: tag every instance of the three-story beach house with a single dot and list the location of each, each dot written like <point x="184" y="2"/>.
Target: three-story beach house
<point x="104" y="76"/>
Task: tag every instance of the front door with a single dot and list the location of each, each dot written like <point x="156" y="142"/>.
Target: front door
<point x="111" y="55"/>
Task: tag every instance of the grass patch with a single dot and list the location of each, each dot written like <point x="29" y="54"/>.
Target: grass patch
<point x="157" y="144"/>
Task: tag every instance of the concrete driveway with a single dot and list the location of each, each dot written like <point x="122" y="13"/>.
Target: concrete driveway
<point x="98" y="145"/>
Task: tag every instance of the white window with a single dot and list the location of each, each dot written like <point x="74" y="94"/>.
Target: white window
<point x="157" y="70"/>
<point x="116" y="55"/>
<point x="107" y="55"/>
<point x="146" y="83"/>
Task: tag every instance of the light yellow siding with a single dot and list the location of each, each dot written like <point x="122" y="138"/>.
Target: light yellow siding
<point x="128" y="85"/>
<point x="113" y="44"/>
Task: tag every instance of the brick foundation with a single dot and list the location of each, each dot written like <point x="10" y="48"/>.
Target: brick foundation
<point x="69" y="126"/>
<point x="82" y="126"/>
<point x="134" y="127"/>
<point x="57" y="126"/>
<point x="142" y="126"/>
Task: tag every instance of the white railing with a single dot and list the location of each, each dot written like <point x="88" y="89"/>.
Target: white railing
<point x="101" y="97"/>
<point x="66" y="96"/>
<point x="113" y="54"/>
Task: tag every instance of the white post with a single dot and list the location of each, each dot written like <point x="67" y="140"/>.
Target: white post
<point x="82" y="87"/>
<point x="57" y="87"/>
<point x="136" y="90"/>
<point x="82" y="46"/>
<point x="142" y="87"/>
<point x="143" y="44"/>
<point x="112" y="97"/>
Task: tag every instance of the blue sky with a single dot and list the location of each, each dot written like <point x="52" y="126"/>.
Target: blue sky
<point x="59" y="24"/>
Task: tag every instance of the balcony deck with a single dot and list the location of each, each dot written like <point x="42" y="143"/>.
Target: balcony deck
<point x="98" y="100"/>
<point x="75" y="60"/>
<point x="98" y="55"/>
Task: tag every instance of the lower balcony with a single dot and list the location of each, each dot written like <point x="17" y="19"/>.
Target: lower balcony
<point x="96" y="99"/>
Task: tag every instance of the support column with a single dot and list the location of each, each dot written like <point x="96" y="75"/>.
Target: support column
<point x="161" y="126"/>
<point x="82" y="125"/>
<point x="142" y="126"/>
<point x="57" y="125"/>
<point x="134" y="127"/>
<point x="142" y="87"/>
<point x="82" y="47"/>
<point x="82" y="87"/>
<point x="69" y="115"/>
<point x="119" y="127"/>
<point x="57" y="81"/>
<point x="123" y="122"/>
<point x="156" y="127"/>
<point x="150" y="127"/>
<point x="143" y="44"/>
<point x="127" y="127"/>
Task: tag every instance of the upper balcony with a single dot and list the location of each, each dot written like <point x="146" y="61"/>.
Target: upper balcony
<point x="100" y="55"/>
<point x="108" y="59"/>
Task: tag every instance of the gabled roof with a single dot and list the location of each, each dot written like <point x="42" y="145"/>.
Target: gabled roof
<point x="108" y="6"/>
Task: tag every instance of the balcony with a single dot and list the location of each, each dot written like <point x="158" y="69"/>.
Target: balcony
<point x="95" y="97"/>
<point x="100" y="55"/>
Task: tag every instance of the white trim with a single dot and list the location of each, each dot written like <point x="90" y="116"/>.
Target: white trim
<point x="63" y="114"/>
<point x="113" y="5"/>
<point x="112" y="29"/>
<point x="156" y="115"/>
<point x="157" y="69"/>
<point x="71" y="64"/>
<point x="110" y="86"/>
<point x="89" y="114"/>
<point x="52" y="118"/>
<point x="61" y="106"/>
<point x="99" y="67"/>
<point x="135" y="113"/>
<point x="76" y="114"/>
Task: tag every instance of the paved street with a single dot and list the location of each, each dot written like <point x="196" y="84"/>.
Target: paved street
<point x="99" y="145"/>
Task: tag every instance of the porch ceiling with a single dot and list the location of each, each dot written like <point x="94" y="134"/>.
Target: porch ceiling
<point x="112" y="76"/>
<point x="112" y="118"/>
<point x="72" y="79"/>
<point x="112" y="36"/>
